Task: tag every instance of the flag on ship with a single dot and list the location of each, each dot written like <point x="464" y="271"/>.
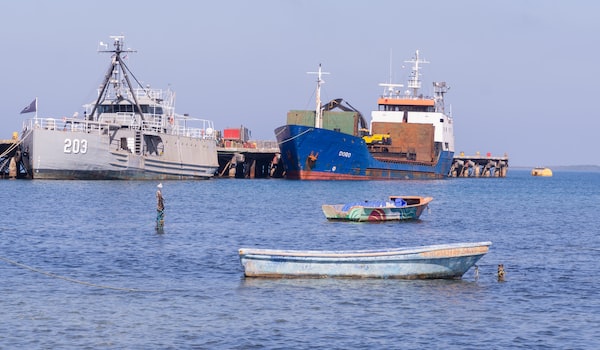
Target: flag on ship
<point x="31" y="108"/>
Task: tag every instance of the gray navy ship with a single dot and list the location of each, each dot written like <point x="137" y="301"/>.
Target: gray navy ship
<point x="130" y="132"/>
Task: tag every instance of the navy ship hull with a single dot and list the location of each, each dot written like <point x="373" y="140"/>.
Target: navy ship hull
<point x="78" y="152"/>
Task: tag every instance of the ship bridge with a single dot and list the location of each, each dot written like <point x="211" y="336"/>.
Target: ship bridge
<point x="404" y="104"/>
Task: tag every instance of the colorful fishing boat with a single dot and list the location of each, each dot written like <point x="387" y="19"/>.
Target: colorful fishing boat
<point x="397" y="208"/>
<point x="129" y="132"/>
<point x="444" y="261"/>
<point x="410" y="136"/>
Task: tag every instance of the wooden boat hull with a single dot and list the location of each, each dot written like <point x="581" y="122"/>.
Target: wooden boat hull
<point x="445" y="261"/>
<point x="412" y="211"/>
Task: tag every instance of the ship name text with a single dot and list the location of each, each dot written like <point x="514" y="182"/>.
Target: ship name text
<point x="74" y="146"/>
<point x="345" y="154"/>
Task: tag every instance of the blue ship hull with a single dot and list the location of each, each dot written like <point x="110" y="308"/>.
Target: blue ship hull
<point x="310" y="153"/>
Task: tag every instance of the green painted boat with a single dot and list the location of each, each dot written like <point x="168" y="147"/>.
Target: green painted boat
<point x="397" y="208"/>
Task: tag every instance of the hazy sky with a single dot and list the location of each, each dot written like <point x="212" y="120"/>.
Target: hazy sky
<point x="522" y="74"/>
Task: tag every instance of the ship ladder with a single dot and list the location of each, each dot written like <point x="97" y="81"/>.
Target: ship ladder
<point x="138" y="142"/>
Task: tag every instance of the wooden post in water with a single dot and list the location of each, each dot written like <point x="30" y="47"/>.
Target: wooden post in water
<point x="160" y="209"/>
<point x="501" y="273"/>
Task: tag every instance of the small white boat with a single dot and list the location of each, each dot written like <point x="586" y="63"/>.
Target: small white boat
<point x="447" y="261"/>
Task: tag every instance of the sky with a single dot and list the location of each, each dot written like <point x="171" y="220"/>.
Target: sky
<point x="522" y="73"/>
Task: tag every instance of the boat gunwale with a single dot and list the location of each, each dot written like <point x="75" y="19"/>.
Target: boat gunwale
<point x="430" y="251"/>
<point x="424" y="201"/>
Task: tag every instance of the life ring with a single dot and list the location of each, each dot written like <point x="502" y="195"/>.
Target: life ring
<point x="171" y="120"/>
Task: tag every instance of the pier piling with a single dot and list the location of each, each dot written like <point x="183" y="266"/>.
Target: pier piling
<point x="479" y="166"/>
<point x="249" y="160"/>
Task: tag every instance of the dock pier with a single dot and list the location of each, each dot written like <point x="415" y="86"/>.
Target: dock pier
<point x="479" y="166"/>
<point x="261" y="159"/>
<point x="249" y="160"/>
<point x="10" y="159"/>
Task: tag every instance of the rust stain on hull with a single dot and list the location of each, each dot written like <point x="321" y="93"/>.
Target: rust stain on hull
<point x="455" y="252"/>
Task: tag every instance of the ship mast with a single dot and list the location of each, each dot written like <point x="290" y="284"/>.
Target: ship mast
<point x="389" y="88"/>
<point x="414" y="82"/>
<point x="117" y="66"/>
<point x="319" y="108"/>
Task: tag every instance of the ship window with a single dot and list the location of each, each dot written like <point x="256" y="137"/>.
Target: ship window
<point x="152" y="109"/>
<point x="441" y="120"/>
<point x="126" y="108"/>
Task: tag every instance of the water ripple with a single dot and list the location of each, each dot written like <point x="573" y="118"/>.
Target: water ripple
<point x="102" y="233"/>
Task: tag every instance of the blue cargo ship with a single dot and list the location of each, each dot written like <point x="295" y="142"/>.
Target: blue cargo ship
<point x="410" y="136"/>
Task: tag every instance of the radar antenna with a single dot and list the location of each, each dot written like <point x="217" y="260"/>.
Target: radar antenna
<point x="389" y="90"/>
<point x="414" y="82"/>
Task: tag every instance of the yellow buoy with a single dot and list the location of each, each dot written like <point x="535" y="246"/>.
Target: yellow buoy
<point x="540" y="171"/>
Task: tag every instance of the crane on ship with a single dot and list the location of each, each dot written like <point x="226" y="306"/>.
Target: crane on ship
<point x="346" y="107"/>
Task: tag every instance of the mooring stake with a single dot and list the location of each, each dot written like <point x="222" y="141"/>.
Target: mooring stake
<point x="160" y="209"/>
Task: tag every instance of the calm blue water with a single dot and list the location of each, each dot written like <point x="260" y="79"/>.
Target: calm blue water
<point x="104" y="279"/>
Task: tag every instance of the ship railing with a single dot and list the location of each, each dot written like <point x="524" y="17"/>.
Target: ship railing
<point x="198" y="128"/>
<point x="151" y="124"/>
<point x="264" y="144"/>
<point x="394" y="151"/>
<point x="154" y="94"/>
<point x="202" y="128"/>
<point x="119" y="118"/>
<point x="67" y="124"/>
<point x="158" y="125"/>
<point x="159" y="96"/>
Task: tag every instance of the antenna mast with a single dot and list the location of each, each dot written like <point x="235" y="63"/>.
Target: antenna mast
<point x="116" y="66"/>
<point x="414" y="82"/>
<point x="319" y="108"/>
<point x="389" y="86"/>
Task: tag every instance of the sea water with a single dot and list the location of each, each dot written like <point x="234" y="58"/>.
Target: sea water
<point x="82" y="266"/>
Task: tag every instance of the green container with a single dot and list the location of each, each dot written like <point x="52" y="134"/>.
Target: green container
<point x="299" y="117"/>
<point x="346" y="122"/>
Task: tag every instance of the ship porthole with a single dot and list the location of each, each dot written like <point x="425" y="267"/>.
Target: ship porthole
<point x="333" y="168"/>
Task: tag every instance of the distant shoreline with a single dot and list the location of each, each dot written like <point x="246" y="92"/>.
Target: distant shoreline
<point x="594" y="168"/>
